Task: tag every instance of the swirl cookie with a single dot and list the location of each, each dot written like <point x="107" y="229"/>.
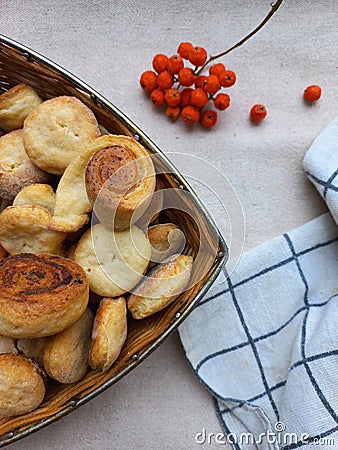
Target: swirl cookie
<point x="40" y="295"/>
<point x="15" y="106"/>
<point x="24" y="228"/>
<point x="56" y="132"/>
<point x="16" y="169"/>
<point x="72" y="202"/>
<point x="66" y="354"/>
<point x="109" y="333"/>
<point x="120" y="181"/>
<point x="22" y="385"/>
<point x="160" y="287"/>
<point x="114" y="261"/>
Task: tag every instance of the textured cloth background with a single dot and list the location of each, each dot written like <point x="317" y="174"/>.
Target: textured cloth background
<point x="108" y="44"/>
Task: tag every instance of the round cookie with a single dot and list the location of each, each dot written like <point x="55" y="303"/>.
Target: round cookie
<point x="40" y="295"/>
<point x="56" y="131"/>
<point x="15" y="106"/>
<point x="22" y="385"/>
<point x="114" y="261"/>
<point x="16" y="169"/>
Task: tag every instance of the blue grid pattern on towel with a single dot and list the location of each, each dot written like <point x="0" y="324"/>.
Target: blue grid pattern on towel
<point x="233" y="291"/>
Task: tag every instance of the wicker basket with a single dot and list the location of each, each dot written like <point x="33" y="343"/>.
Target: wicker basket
<point x="18" y="64"/>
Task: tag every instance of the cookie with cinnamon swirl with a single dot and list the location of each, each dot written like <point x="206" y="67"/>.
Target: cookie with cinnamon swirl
<point x="120" y="170"/>
<point x="120" y="181"/>
<point x="40" y="295"/>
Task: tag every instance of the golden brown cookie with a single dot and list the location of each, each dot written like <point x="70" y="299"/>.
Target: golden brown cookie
<point x="109" y="333"/>
<point x="56" y="132"/>
<point x="22" y="385"/>
<point x="16" y="169"/>
<point x="24" y="228"/>
<point x="40" y="295"/>
<point x="160" y="287"/>
<point x="120" y="180"/>
<point x="166" y="239"/>
<point x="16" y="104"/>
<point x="66" y="354"/>
<point x="36" y="194"/>
<point x="114" y="261"/>
<point x="72" y="203"/>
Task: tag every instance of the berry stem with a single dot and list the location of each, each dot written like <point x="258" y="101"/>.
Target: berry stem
<point x="274" y="8"/>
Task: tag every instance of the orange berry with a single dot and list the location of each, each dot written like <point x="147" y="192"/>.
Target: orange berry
<point x="200" y="81"/>
<point x="217" y="69"/>
<point x="148" y="81"/>
<point x="227" y="78"/>
<point x="185" y="97"/>
<point x="198" y="56"/>
<point x="209" y="118"/>
<point x="190" y="115"/>
<point x="186" y="76"/>
<point x="160" y="63"/>
<point x="257" y="113"/>
<point x="222" y="101"/>
<point x="184" y="49"/>
<point x="157" y="97"/>
<point x="199" y="98"/>
<point x="165" y="80"/>
<point x="175" y="64"/>
<point x="173" y="97"/>
<point x="173" y="112"/>
<point x="212" y="84"/>
<point x="312" y="93"/>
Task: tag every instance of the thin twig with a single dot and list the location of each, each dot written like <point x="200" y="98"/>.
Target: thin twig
<point x="274" y="7"/>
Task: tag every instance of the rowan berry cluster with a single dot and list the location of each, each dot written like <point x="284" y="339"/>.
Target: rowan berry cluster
<point x="177" y="84"/>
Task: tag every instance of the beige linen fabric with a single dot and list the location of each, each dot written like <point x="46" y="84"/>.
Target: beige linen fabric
<point x="108" y="44"/>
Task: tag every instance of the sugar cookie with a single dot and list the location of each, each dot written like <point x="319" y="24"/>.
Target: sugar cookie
<point x="114" y="261"/>
<point x="56" y="132"/>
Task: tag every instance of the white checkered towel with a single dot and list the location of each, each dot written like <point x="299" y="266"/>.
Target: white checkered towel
<point x="265" y="341"/>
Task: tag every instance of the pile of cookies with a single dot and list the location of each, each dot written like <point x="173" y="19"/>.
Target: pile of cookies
<point x="77" y="254"/>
